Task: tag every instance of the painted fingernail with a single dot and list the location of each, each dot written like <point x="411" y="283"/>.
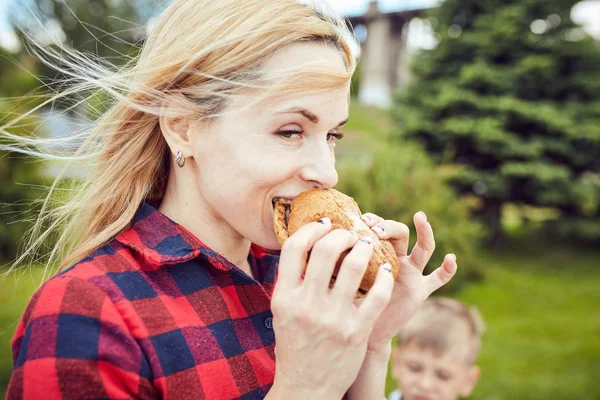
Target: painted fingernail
<point x="366" y="218"/>
<point x="365" y="240"/>
<point x="423" y="214"/>
<point x="386" y="267"/>
<point x="324" y="221"/>
<point x="378" y="229"/>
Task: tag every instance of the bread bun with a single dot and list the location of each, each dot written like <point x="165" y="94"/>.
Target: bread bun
<point x="344" y="213"/>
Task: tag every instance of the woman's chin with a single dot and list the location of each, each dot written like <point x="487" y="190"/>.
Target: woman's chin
<point x="268" y="242"/>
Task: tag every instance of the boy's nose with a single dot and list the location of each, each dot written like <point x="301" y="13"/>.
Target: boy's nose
<point x="427" y="381"/>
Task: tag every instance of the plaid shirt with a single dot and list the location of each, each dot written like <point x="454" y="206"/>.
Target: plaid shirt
<point x="153" y="314"/>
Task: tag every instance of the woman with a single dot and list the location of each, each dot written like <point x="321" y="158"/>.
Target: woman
<point x="169" y="290"/>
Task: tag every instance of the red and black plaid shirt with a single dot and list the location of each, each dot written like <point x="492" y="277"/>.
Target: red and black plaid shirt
<point x="153" y="314"/>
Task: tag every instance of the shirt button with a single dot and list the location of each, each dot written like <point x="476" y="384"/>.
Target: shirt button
<point x="269" y="322"/>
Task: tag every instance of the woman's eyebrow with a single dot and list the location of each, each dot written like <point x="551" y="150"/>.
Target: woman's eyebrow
<point x="307" y="114"/>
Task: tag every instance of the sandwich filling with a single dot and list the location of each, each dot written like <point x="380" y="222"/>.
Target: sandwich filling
<point x="282" y="209"/>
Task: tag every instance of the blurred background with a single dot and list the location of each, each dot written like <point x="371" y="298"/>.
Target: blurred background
<point x="485" y="114"/>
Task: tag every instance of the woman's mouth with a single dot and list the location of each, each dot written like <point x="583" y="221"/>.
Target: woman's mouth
<point x="281" y="216"/>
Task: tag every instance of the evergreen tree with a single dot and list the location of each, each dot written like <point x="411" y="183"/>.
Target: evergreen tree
<point x="105" y="28"/>
<point x="20" y="175"/>
<point x="512" y="93"/>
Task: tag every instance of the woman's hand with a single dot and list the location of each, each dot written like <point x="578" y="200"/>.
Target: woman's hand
<point x="321" y="333"/>
<point x="411" y="287"/>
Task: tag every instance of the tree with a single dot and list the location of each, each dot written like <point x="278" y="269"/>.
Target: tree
<point x="512" y="94"/>
<point x="105" y="28"/>
<point x="110" y="31"/>
<point x="20" y="175"/>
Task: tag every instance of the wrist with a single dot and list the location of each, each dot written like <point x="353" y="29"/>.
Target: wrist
<point x="287" y="389"/>
<point x="380" y="351"/>
<point x="371" y="379"/>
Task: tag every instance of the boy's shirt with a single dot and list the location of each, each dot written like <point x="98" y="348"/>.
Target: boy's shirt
<point x="395" y="395"/>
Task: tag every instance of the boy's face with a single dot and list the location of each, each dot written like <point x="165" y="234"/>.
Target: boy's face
<point x="426" y="374"/>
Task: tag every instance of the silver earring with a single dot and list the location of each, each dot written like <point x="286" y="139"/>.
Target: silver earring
<point x="179" y="159"/>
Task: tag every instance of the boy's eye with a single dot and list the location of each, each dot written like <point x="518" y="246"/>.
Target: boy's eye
<point x="289" y="134"/>
<point x="444" y="375"/>
<point x="414" y="367"/>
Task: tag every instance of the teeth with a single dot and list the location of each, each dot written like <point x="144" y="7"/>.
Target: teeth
<point x="281" y="200"/>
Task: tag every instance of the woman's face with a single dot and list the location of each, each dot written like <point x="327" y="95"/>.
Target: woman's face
<point x="279" y="147"/>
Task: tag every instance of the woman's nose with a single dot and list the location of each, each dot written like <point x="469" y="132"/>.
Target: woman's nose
<point x="319" y="168"/>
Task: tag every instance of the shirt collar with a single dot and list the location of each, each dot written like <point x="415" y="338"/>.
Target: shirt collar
<point x="161" y="241"/>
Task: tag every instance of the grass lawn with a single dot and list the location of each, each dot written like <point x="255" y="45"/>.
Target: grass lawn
<point x="15" y="292"/>
<point x="540" y="304"/>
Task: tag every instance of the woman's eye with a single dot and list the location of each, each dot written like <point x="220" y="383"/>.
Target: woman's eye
<point x="290" y="134"/>
<point x="335" y="135"/>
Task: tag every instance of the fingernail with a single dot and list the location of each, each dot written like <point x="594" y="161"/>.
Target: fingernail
<point x="365" y="240"/>
<point x="386" y="267"/>
<point x="423" y="214"/>
<point x="324" y="221"/>
<point x="365" y="218"/>
<point x="378" y="229"/>
<point x="453" y="256"/>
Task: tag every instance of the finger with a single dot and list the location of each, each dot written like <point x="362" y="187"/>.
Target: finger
<point x="378" y="297"/>
<point x="423" y="249"/>
<point x="294" y="252"/>
<point x="371" y="219"/>
<point x="324" y="256"/>
<point x="353" y="269"/>
<point x="443" y="274"/>
<point x="396" y="232"/>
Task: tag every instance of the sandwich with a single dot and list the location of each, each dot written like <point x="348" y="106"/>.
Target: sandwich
<point x="344" y="213"/>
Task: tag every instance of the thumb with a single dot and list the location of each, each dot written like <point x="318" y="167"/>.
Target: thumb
<point x="442" y="274"/>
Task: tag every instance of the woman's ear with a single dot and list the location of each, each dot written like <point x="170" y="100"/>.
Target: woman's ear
<point x="471" y="380"/>
<point x="176" y="132"/>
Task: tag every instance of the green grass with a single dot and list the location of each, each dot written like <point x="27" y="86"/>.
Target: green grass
<point x="540" y="304"/>
<point x="15" y="292"/>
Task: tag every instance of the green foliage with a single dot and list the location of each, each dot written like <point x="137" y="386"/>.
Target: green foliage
<point x="18" y="173"/>
<point x="105" y="28"/>
<point x="520" y="111"/>
<point x="15" y="292"/>
<point x="396" y="181"/>
<point x="89" y="27"/>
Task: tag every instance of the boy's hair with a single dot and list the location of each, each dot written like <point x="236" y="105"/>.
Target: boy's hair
<point x="441" y="323"/>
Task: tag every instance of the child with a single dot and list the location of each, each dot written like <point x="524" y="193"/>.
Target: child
<point x="434" y="358"/>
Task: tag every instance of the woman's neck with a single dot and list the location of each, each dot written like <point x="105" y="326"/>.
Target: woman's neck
<point x="201" y="220"/>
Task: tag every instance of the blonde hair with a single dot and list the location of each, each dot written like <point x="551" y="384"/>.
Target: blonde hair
<point x="441" y="323"/>
<point x="197" y="56"/>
